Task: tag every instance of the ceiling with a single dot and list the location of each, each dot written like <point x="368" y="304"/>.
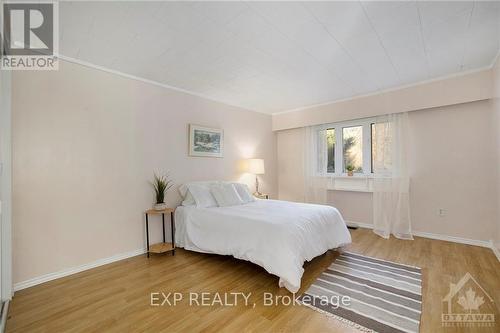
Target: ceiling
<point x="276" y="56"/>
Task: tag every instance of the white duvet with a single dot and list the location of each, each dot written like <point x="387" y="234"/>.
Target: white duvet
<point x="277" y="235"/>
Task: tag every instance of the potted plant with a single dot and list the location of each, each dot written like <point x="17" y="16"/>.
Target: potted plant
<point x="350" y="169"/>
<point x="161" y="185"/>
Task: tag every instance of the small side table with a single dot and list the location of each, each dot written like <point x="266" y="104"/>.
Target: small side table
<point x="164" y="246"/>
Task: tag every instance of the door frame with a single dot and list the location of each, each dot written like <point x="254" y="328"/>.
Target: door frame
<point x="6" y="184"/>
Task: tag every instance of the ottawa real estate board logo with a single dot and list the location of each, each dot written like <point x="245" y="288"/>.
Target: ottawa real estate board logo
<point x="29" y="35"/>
<point x="467" y="304"/>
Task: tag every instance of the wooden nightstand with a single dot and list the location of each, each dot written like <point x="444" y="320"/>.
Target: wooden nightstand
<point x="261" y="196"/>
<point x="164" y="246"/>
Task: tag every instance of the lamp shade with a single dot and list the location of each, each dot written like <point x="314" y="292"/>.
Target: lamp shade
<point x="255" y="166"/>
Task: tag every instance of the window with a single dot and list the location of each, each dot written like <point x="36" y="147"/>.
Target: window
<point x="330" y="146"/>
<point x="352" y="141"/>
<point x="355" y="147"/>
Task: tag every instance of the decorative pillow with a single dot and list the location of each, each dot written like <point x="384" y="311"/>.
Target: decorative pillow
<point x="225" y="195"/>
<point x="202" y="196"/>
<point x="244" y="192"/>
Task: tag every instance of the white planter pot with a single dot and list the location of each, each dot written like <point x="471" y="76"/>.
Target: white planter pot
<point x="160" y="206"/>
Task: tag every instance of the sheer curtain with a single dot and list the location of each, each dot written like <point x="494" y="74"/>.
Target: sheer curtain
<point x="391" y="184"/>
<point x="315" y="160"/>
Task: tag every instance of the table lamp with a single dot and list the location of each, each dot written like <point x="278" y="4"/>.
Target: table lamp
<point x="256" y="167"/>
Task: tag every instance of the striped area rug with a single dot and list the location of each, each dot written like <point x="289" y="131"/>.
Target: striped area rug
<point x="384" y="296"/>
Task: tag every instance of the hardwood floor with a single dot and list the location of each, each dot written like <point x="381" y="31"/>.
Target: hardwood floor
<point x="116" y="297"/>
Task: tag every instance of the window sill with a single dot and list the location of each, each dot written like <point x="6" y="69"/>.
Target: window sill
<point x="359" y="176"/>
<point x="347" y="189"/>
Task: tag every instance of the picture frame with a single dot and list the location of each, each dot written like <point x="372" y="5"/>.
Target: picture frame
<point x="206" y="141"/>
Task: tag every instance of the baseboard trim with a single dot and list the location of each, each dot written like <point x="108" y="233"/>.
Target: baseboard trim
<point x="453" y="239"/>
<point x="69" y="271"/>
<point x="495" y="250"/>
<point x="446" y="238"/>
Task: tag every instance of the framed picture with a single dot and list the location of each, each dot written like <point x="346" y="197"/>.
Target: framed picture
<point x="206" y="141"/>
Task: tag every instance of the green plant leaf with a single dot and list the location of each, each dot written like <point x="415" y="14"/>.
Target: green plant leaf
<point x="161" y="184"/>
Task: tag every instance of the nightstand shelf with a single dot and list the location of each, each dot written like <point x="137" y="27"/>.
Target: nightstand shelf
<point x="161" y="248"/>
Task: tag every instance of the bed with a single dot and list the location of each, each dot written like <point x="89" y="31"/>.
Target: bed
<point x="276" y="235"/>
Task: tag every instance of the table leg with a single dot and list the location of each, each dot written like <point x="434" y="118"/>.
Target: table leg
<point x="163" y="222"/>
<point x="147" y="234"/>
<point x="172" y="227"/>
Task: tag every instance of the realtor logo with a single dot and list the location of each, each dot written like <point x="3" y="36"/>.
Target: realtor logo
<point x="29" y="34"/>
<point x="466" y="305"/>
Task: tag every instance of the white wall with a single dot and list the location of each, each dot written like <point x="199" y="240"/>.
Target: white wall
<point x="452" y="166"/>
<point x="85" y="145"/>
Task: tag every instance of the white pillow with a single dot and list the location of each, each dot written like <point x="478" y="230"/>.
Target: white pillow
<point x="183" y="189"/>
<point x="202" y="196"/>
<point x="225" y="195"/>
<point x="186" y="195"/>
<point x="244" y="192"/>
<point x="188" y="200"/>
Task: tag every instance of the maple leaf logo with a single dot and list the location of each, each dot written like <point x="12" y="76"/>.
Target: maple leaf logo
<point x="470" y="301"/>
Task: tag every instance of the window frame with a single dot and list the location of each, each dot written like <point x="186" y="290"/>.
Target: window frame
<point x="339" y="147"/>
<point x="334" y="151"/>
<point x="371" y="146"/>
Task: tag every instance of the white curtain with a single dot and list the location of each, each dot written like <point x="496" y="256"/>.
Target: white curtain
<point x="391" y="184"/>
<point x="315" y="160"/>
